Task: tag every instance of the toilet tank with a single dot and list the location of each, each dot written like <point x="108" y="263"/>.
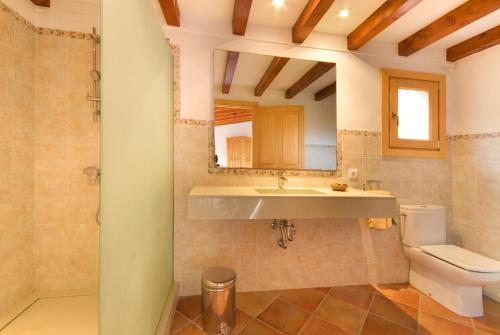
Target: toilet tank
<point x="423" y="225"/>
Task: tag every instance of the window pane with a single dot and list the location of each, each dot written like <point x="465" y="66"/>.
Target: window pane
<point x="413" y="112"/>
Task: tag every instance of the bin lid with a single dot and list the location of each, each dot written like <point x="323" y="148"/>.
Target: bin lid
<point x="218" y="277"/>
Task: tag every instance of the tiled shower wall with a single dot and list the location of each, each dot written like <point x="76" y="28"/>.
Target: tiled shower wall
<point x="48" y="231"/>
<point x="326" y="252"/>
<point x="66" y="248"/>
<point x="476" y="194"/>
<point x="17" y="156"/>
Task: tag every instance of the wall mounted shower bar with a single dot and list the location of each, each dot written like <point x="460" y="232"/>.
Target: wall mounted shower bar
<point x="95" y="98"/>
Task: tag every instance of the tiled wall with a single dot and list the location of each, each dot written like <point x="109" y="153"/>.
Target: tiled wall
<point x="17" y="125"/>
<point x="476" y="194"/>
<point x="48" y="234"/>
<point x="326" y="252"/>
<point x="67" y="140"/>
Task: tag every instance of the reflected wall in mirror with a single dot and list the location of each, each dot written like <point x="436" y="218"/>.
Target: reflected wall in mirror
<point x="274" y="112"/>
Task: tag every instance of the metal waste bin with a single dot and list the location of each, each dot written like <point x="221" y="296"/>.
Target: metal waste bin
<point x="218" y="300"/>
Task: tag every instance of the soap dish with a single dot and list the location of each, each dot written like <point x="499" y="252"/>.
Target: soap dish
<point x="338" y="187"/>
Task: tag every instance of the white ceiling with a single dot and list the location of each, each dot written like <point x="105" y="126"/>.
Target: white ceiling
<point x="263" y="13"/>
<point x="251" y="67"/>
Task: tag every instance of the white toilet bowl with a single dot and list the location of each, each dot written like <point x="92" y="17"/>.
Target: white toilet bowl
<point x="451" y="275"/>
<point x="456" y="288"/>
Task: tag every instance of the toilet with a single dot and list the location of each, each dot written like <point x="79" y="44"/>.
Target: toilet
<point x="448" y="274"/>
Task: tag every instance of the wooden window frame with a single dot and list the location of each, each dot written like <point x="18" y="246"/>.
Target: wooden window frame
<point x="393" y="146"/>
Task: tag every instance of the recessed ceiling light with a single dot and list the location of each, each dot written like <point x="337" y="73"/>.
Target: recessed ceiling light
<point x="278" y="3"/>
<point x="344" y="12"/>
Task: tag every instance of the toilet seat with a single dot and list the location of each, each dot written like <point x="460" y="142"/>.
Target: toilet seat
<point x="462" y="258"/>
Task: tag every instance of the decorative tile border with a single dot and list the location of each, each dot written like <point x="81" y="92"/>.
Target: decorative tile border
<point x="358" y="132"/>
<point x="63" y="33"/>
<point x="193" y="122"/>
<point x="474" y="136"/>
<point x="41" y="30"/>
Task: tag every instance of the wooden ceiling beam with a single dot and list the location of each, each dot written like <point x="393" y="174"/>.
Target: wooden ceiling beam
<point x="384" y="16"/>
<point x="311" y="15"/>
<point x="171" y="12"/>
<point x="241" y="13"/>
<point x="277" y="64"/>
<point x="326" y="91"/>
<point x="459" y="17"/>
<point x="231" y="61"/>
<point x="308" y="78"/>
<point x="474" y="44"/>
<point x="41" y="3"/>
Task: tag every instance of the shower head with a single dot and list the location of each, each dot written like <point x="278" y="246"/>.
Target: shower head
<point x="96" y="76"/>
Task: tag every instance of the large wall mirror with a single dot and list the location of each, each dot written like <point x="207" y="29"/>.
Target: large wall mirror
<point x="274" y="112"/>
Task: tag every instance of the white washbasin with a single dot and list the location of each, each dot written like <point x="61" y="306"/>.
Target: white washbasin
<point x="286" y="191"/>
<point x="246" y="202"/>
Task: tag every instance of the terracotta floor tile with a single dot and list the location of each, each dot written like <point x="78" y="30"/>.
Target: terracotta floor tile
<point x="274" y="293"/>
<point x="398" y="313"/>
<point x="341" y="314"/>
<point x="403" y="293"/>
<point x="433" y="325"/>
<point x="489" y="323"/>
<point x="191" y="330"/>
<point x="431" y="306"/>
<point x="323" y="289"/>
<point x="353" y="295"/>
<point x="241" y="320"/>
<point x="481" y="332"/>
<point x="370" y="288"/>
<point x="190" y="306"/>
<point x="316" y="326"/>
<point x="253" y="303"/>
<point x="256" y="327"/>
<point x="308" y="298"/>
<point x="178" y="323"/>
<point x="491" y="306"/>
<point x="377" y="326"/>
<point x="284" y="317"/>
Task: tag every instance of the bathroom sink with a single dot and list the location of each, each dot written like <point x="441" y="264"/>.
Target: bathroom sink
<point x="267" y="203"/>
<point x="286" y="191"/>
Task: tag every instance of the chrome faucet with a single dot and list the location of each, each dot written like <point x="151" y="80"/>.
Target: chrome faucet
<point x="282" y="180"/>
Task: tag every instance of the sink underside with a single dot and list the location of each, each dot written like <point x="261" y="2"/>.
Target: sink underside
<point x="286" y="191"/>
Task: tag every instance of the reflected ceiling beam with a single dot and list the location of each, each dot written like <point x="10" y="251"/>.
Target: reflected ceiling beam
<point x="231" y="61"/>
<point x="307" y="79"/>
<point x="234" y="115"/>
<point x="41" y="3"/>
<point x="459" y="17"/>
<point x="311" y="15"/>
<point x="383" y="17"/>
<point x="171" y="12"/>
<point x="240" y="16"/>
<point x="475" y="44"/>
<point x="277" y="64"/>
<point x="325" y="92"/>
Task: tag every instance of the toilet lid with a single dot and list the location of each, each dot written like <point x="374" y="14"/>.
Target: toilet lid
<point x="462" y="258"/>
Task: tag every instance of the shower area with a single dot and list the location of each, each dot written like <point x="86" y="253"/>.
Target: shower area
<point x="49" y="176"/>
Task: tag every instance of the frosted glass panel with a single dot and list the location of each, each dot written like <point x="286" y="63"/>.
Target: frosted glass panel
<point x="413" y="113"/>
